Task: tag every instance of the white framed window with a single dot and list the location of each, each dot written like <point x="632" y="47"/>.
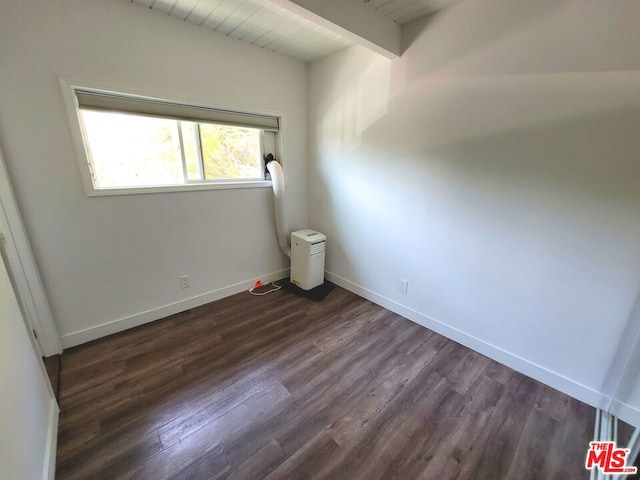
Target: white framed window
<point x="137" y="144"/>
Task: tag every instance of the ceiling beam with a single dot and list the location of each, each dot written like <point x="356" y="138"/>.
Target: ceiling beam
<point x="353" y="20"/>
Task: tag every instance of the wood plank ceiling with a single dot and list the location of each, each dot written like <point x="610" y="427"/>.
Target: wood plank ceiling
<point x="258" y="22"/>
<point x="267" y="25"/>
<point x="405" y="11"/>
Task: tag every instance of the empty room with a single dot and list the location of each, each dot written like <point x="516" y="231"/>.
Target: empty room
<point x="319" y="239"/>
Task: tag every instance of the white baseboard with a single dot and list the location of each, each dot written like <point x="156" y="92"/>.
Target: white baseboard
<point x="524" y="366"/>
<point x="121" y="324"/>
<point x="553" y="379"/>
<point x="49" y="465"/>
<point x="627" y="413"/>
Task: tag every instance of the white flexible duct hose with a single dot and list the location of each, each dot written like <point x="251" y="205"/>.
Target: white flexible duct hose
<point x="277" y="181"/>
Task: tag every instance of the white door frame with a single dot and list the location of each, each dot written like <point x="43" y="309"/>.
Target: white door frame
<point x="23" y="270"/>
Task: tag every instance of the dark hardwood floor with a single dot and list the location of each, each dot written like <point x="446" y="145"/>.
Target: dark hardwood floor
<point x="281" y="387"/>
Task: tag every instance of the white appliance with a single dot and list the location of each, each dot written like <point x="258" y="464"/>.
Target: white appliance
<point x="307" y="258"/>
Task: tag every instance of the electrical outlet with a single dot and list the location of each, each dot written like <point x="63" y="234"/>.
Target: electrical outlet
<point x="403" y="286"/>
<point x="184" y="281"/>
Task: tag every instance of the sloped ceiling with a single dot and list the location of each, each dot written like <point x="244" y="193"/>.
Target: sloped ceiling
<point x="405" y="11"/>
<point x="303" y="29"/>
<point x="258" y="22"/>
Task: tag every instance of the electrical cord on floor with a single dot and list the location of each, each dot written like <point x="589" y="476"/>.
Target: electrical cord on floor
<point x="260" y="285"/>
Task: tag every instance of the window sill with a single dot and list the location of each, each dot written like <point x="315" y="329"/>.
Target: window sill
<point x="104" y="192"/>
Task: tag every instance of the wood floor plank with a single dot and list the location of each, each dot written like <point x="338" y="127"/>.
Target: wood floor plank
<point x="124" y="451"/>
<point x="490" y="452"/>
<point x="353" y="417"/>
<point x="256" y="466"/>
<point x="307" y="460"/>
<point x="282" y="387"/>
<point x="190" y="448"/>
<point x="483" y="395"/>
<point x="531" y="455"/>
<point x="210" y="466"/>
<point x="573" y="442"/>
<point x="210" y="408"/>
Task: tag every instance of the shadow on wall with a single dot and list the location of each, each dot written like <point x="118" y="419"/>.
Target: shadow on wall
<point x="451" y="45"/>
<point x="353" y="201"/>
<point x="531" y="220"/>
<point x="433" y="112"/>
<point x="494" y="41"/>
<point x="359" y="105"/>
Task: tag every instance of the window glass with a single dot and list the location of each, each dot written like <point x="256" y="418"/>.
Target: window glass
<point x="130" y="150"/>
<point x="140" y="142"/>
<point x="230" y="152"/>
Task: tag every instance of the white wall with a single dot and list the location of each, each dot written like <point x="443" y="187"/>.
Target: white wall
<point x="28" y="409"/>
<point x="495" y="167"/>
<point x="112" y="262"/>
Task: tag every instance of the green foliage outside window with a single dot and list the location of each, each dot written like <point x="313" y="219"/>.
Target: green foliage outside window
<point x="134" y="150"/>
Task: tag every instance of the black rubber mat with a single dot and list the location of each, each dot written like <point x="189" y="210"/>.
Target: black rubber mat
<point x="318" y="293"/>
